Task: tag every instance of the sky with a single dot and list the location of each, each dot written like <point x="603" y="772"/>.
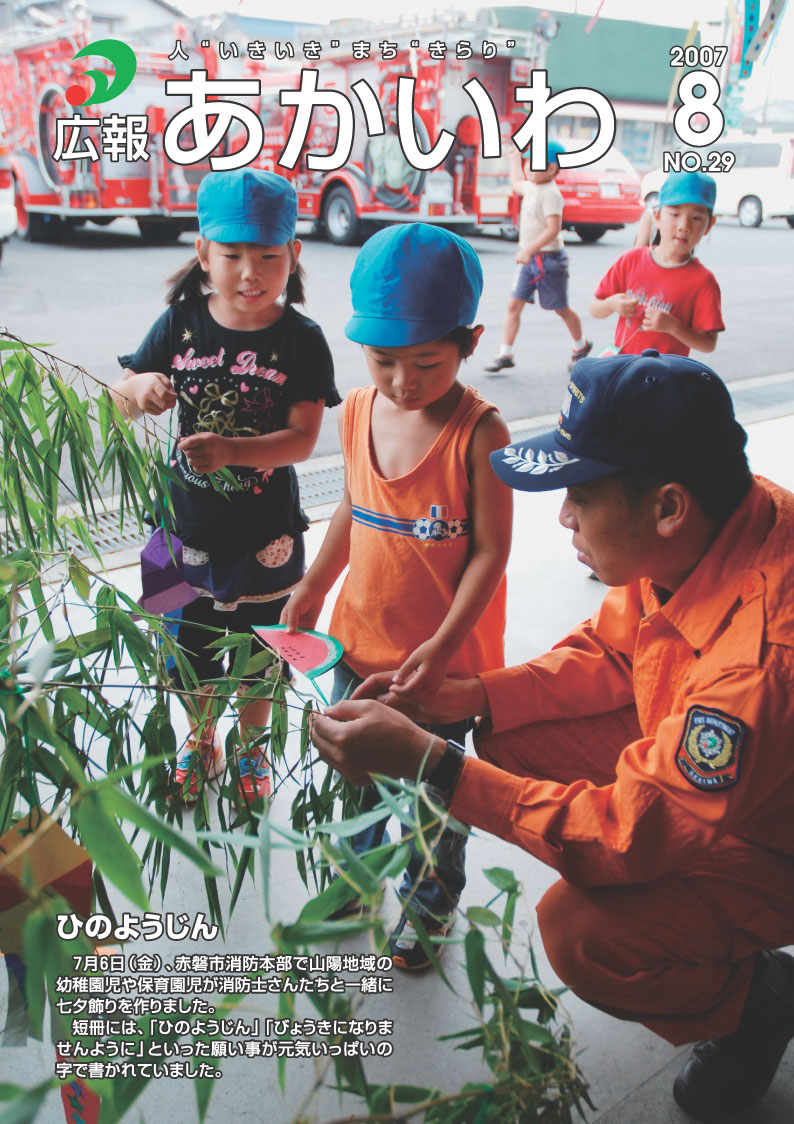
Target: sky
<point x="771" y="77"/>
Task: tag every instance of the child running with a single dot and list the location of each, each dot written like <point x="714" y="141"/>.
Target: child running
<point x="664" y="297"/>
<point x="424" y="524"/>
<point x="250" y="376"/>
<point x="541" y="258"/>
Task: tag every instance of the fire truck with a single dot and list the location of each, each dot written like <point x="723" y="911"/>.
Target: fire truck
<point x="37" y="68"/>
<point x="376" y="185"/>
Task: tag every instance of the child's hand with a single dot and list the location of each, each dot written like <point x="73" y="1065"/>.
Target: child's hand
<point x="655" y="320"/>
<point x="303" y="608"/>
<point x="153" y="392"/>
<point x="205" y="452"/>
<point x="624" y="305"/>
<point x="422" y="673"/>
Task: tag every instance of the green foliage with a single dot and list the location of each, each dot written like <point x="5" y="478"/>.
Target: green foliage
<point x="86" y="725"/>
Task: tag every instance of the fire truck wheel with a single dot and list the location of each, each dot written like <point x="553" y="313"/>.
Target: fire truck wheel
<point x="159" y="232"/>
<point x="31" y="228"/>
<point x="342" y="224"/>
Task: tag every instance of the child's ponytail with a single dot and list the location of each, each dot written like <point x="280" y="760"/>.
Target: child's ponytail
<point x="188" y="283"/>
<point x="294" y="292"/>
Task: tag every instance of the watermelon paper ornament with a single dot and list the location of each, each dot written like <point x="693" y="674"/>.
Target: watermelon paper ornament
<point x="162" y="575"/>
<point x="312" y="653"/>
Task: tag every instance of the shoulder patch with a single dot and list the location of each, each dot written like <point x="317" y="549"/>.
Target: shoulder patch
<point x="710" y="749"/>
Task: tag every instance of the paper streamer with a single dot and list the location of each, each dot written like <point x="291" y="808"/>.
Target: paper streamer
<point x="765" y="32"/>
<point x="594" y="20"/>
<point x="733" y="18"/>
<point x="752" y="18"/>
<point x="690" y="39"/>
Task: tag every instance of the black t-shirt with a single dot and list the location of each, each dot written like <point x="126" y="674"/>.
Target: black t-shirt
<point x="238" y="384"/>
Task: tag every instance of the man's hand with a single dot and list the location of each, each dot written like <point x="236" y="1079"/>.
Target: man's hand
<point x="205" y="452"/>
<point x="151" y="391"/>
<point x="454" y="700"/>
<point x="361" y="738"/>
<point x="523" y="257"/>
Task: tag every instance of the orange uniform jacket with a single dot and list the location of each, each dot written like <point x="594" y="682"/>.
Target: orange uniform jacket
<point x="712" y="675"/>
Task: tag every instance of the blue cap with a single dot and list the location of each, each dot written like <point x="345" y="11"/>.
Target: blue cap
<point x="412" y="283"/>
<point x="688" y="187"/>
<point x="246" y="205"/>
<point x="553" y="151"/>
<point x="652" y="411"/>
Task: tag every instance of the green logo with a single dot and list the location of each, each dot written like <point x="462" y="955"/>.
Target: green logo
<point x="122" y="56"/>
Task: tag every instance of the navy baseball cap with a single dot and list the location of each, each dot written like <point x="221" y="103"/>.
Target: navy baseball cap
<point x="412" y="283"/>
<point x="247" y="205"/>
<point x="649" y="411"/>
<point x="688" y="187"/>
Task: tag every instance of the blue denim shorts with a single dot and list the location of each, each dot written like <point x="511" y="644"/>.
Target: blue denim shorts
<point x="547" y="274"/>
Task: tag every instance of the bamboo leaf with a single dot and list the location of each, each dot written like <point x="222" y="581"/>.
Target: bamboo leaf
<point x="104" y="840"/>
<point x="117" y="802"/>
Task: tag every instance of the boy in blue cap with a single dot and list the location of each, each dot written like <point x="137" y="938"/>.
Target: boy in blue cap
<point x="663" y="296"/>
<point x="424" y="524"/>
<point x="541" y="258"/>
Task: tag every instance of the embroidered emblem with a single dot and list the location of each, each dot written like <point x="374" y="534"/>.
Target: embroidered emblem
<point x="187" y="335"/>
<point x="710" y="749"/>
<point x="527" y="460"/>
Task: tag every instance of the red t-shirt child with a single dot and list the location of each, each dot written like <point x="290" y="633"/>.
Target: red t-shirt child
<point x="689" y="292"/>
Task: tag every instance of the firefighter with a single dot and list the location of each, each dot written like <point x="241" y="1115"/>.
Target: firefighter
<point x="647" y="757"/>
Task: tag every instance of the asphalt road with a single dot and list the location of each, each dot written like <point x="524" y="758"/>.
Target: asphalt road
<point x="96" y="294"/>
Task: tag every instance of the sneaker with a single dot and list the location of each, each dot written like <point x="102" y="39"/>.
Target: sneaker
<point x="580" y="353"/>
<point x="501" y="363"/>
<point x="405" y="947"/>
<point x="353" y="907"/>
<point x="254" y="781"/>
<point x="727" y="1075"/>
<point x="200" y="763"/>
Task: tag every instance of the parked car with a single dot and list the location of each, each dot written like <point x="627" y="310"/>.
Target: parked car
<point x="602" y="196"/>
<point x="759" y="186"/>
<point x="8" y="213"/>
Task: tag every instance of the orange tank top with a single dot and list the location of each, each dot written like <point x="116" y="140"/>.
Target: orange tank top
<point x="410" y="541"/>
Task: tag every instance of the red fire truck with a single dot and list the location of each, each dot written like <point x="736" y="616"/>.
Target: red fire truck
<point x="375" y="186"/>
<point x="36" y="70"/>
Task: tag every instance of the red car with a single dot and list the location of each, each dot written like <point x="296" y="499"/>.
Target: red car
<point x="601" y="196"/>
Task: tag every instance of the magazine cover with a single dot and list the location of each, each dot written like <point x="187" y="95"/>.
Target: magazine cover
<point x="396" y="679"/>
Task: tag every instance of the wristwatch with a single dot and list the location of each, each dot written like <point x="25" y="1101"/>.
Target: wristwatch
<point x="446" y="774"/>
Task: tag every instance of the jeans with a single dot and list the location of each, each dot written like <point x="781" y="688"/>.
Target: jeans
<point x="434" y="894"/>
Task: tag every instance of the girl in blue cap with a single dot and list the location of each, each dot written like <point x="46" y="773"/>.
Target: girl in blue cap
<point x="250" y="376"/>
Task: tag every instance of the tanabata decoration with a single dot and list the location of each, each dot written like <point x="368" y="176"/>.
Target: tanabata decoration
<point x="162" y="575"/>
<point x="312" y="653"/>
<point x="53" y="861"/>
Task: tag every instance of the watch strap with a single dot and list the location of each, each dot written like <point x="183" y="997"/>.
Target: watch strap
<point x="446" y="772"/>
